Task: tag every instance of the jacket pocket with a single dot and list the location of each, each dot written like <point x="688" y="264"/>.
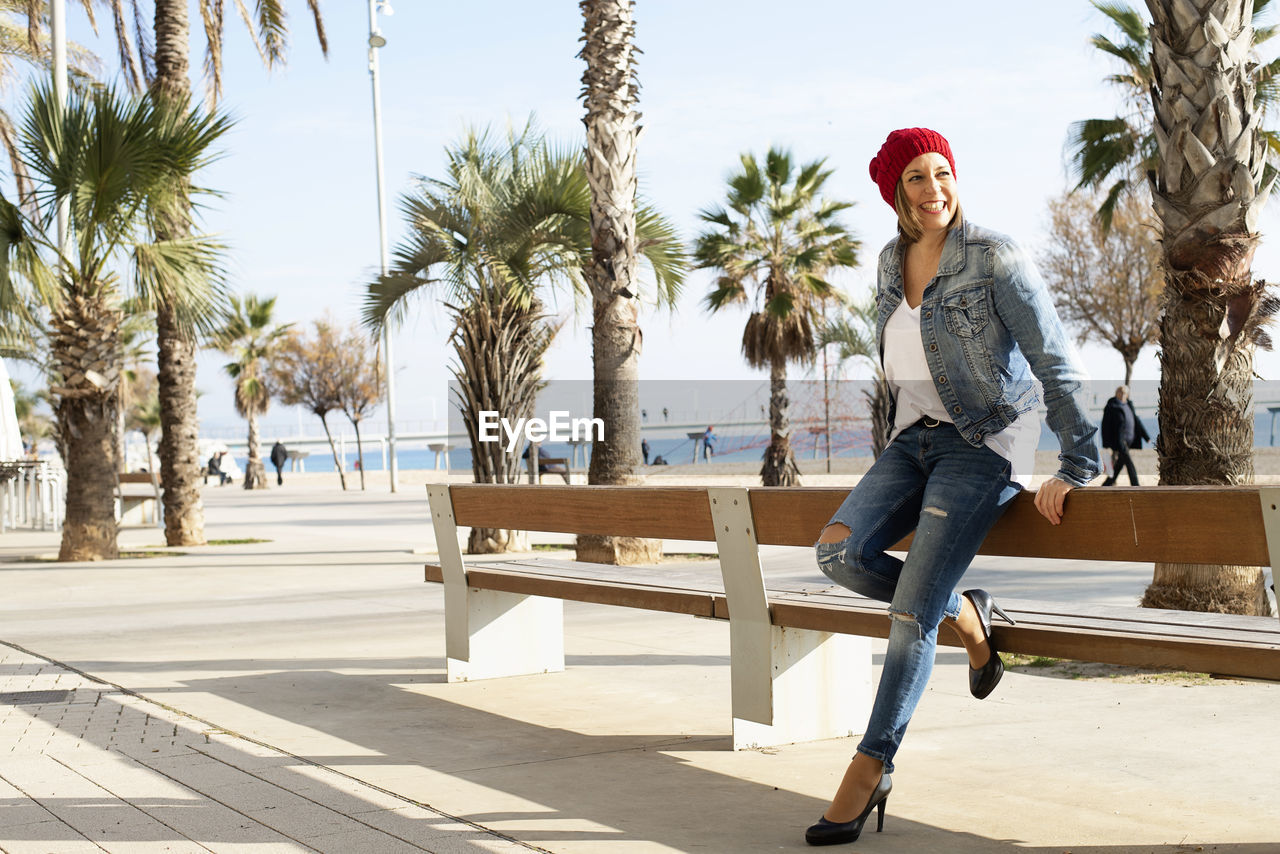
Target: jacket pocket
<point x="966" y="312"/>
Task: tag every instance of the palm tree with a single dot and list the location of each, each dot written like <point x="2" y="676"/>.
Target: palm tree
<point x="179" y="457"/>
<point x="251" y="338"/>
<point x="854" y="335"/>
<point x="1123" y="149"/>
<point x="116" y="160"/>
<point x="1209" y="191"/>
<point x="772" y="246"/>
<point x="509" y="221"/>
<point x="612" y="124"/>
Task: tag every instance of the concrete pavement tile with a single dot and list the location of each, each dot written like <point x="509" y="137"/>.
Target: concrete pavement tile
<point x="85" y="805"/>
<point x="16" y="812"/>
<point x="188" y="812"/>
<point x="476" y="842"/>
<point x="219" y="827"/>
<point x="46" y="837"/>
<point x="292" y="815"/>
<point x="336" y="791"/>
<point x="362" y="839"/>
<point x="418" y="824"/>
<point x="244" y="755"/>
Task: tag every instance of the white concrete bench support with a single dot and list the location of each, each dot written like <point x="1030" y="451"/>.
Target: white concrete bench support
<point x="789" y="685"/>
<point x="488" y="633"/>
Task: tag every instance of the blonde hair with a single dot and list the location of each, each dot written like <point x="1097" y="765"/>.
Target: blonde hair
<point x="909" y="225"/>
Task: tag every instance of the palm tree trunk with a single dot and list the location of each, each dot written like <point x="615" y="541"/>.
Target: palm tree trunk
<point x="337" y="463"/>
<point x="359" y="453"/>
<point x="612" y="124"/>
<point x="779" y="467"/>
<point x="255" y="475"/>
<point x="498" y="350"/>
<point x="86" y="361"/>
<point x="180" y="430"/>
<point x="1206" y="197"/>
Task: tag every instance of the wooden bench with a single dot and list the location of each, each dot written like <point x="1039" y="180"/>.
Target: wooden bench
<point x="800" y="652"/>
<point x="138" y="506"/>
<point x="544" y="465"/>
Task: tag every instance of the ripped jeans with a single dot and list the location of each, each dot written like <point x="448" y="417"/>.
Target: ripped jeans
<point x="931" y="481"/>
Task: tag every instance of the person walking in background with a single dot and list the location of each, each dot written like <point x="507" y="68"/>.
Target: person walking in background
<point x="644" y="450"/>
<point x="279" y="455"/>
<point x="708" y="444"/>
<point x="1121" y="430"/>
<point x="961" y="311"/>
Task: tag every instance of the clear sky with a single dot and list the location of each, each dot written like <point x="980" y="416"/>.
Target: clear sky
<point x="1002" y="79"/>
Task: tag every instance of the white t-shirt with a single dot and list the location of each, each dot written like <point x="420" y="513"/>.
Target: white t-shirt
<point x="911" y="381"/>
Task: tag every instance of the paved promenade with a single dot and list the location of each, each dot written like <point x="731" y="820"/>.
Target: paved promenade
<point x="289" y="696"/>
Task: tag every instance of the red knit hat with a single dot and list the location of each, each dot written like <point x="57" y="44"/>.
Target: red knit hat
<point x="899" y="149"/>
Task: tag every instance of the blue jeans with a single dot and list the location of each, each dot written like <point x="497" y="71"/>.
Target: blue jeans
<point x="931" y="481"/>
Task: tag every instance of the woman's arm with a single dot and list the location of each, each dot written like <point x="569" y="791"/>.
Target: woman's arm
<point x="1023" y="303"/>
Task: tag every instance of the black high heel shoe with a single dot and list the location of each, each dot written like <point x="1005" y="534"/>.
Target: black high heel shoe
<point x="983" y="680"/>
<point x="834" y="833"/>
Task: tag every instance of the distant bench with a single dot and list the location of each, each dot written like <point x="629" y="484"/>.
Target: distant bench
<point x="138" y="494"/>
<point x="800" y="654"/>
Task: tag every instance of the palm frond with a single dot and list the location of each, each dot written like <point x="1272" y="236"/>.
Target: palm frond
<point x="186" y="274"/>
<point x="314" y="6"/>
<point x="273" y="29"/>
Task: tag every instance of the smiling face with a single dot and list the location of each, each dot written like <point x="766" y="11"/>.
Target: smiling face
<point x="929" y="192"/>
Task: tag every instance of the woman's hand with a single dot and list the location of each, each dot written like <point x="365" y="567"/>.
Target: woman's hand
<point x="1050" y="498"/>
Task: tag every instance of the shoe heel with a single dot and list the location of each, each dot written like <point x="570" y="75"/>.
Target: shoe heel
<point x="880" y="815"/>
<point x="1000" y="611"/>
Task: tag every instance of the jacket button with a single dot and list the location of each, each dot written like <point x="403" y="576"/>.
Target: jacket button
<point x="957" y="410"/>
<point x="933" y="347"/>
<point x="942" y="380"/>
<point x="928" y="314"/>
<point x="977" y="437"/>
<point x="963" y="302"/>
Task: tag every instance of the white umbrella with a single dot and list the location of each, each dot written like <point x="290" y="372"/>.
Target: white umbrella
<point x="10" y="434"/>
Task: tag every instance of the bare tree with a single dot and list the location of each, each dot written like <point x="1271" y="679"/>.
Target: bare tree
<point x="305" y="373"/>
<point x="1106" y="284"/>
<point x="359" y="383"/>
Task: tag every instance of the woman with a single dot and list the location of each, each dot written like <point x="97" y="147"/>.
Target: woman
<point x="965" y="327"/>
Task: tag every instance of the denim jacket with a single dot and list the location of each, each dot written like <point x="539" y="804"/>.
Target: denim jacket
<point x="990" y="330"/>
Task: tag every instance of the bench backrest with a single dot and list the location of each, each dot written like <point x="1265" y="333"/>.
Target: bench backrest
<point x="1177" y="524"/>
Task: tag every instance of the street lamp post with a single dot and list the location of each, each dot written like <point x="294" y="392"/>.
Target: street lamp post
<point x="376" y="41"/>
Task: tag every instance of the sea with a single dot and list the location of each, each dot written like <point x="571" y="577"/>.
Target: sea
<point x="731" y="447"/>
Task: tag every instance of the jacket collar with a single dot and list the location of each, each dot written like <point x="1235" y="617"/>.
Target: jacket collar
<point x="953" y="254"/>
<point x="952" y="260"/>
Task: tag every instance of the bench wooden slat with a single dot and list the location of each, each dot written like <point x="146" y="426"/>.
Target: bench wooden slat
<point x="1176" y="524"/>
<point x="1181" y="524"/>
<point x="1197" y="654"/>
<point x="1123" y="622"/>
<point x="1211" y="643"/>
<point x="640" y="590"/>
<point x="1232" y="627"/>
<point x="680" y="513"/>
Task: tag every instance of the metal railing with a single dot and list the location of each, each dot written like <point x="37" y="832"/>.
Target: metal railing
<point x="32" y="495"/>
